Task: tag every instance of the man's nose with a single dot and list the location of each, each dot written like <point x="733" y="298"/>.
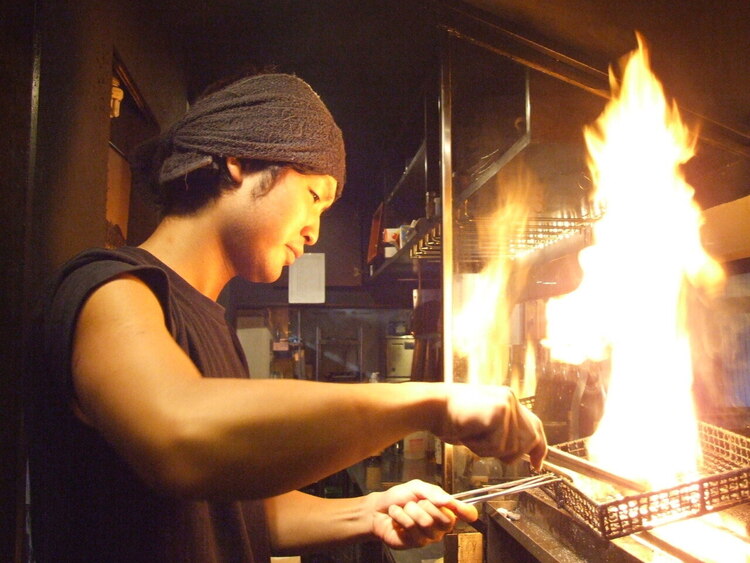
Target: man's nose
<point x="312" y="231"/>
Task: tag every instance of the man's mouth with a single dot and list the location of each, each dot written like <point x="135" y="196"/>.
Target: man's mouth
<point x="296" y="253"/>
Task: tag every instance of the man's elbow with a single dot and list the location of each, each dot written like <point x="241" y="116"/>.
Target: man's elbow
<point x="171" y="460"/>
<point x="185" y="463"/>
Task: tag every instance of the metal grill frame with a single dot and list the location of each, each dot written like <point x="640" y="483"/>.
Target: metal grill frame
<point x="532" y="234"/>
<point x="724" y="451"/>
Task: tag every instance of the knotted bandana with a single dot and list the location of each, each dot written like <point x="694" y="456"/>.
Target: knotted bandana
<point x="270" y="117"/>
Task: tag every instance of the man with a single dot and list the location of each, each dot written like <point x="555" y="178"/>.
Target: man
<point x="149" y="442"/>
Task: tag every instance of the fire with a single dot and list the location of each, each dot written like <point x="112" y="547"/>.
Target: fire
<point x="712" y="538"/>
<point x="631" y="304"/>
<point x="482" y="325"/>
<point x="479" y="337"/>
<point x="528" y="387"/>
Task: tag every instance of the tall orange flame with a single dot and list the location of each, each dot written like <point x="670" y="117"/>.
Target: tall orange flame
<point x="630" y="305"/>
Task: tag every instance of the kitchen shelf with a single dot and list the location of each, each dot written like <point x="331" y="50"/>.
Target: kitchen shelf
<point x="420" y="256"/>
<point x="407" y="203"/>
<point x="413" y="174"/>
<point x="428" y="245"/>
<point x="540" y="240"/>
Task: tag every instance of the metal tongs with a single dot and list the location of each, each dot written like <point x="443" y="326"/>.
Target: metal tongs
<point x="554" y="473"/>
<point x="493" y="491"/>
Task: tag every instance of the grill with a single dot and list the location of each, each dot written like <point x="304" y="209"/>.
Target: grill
<point x="533" y="234"/>
<point x="515" y="188"/>
<point x="726" y="466"/>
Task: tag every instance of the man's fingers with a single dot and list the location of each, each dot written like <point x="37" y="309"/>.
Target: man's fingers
<point x="400" y="516"/>
<point x="437" y="516"/>
<point x="422" y="521"/>
<point x="445" y="502"/>
<point x="466" y="512"/>
<point x="538" y="453"/>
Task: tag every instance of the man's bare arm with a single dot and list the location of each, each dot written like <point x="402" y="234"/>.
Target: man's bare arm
<point x="244" y="438"/>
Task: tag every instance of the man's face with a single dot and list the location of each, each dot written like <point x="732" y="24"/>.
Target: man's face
<point x="263" y="233"/>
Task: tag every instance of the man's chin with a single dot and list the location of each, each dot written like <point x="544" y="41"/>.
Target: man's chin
<point x="264" y="276"/>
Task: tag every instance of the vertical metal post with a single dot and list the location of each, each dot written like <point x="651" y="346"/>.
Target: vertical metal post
<point x="23" y="540"/>
<point x="446" y="170"/>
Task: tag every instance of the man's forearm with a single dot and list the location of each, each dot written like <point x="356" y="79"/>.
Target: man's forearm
<point x="262" y="438"/>
<point x="301" y="523"/>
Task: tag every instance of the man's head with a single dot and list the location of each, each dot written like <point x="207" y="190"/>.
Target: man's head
<point x="269" y="122"/>
<point x="263" y="231"/>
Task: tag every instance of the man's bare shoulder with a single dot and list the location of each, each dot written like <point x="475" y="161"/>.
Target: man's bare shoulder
<point x="124" y="296"/>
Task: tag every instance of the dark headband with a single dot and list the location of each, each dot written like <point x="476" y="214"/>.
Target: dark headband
<point x="271" y="117"/>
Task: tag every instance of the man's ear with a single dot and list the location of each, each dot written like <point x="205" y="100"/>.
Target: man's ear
<point x="234" y="168"/>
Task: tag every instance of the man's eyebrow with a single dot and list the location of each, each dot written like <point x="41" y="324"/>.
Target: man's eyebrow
<point x="330" y="196"/>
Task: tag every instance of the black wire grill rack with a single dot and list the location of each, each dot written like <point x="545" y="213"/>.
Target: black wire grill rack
<point x="725" y="482"/>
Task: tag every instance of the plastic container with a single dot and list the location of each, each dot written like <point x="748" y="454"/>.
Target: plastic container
<point x="415" y="445"/>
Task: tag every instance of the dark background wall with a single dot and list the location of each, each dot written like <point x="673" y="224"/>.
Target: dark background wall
<point x="16" y="54"/>
<point x="57" y="69"/>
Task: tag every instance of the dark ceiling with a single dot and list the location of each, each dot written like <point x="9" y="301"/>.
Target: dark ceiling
<point x="368" y="58"/>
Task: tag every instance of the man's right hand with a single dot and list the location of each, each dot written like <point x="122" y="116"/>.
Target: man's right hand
<point x="491" y="422"/>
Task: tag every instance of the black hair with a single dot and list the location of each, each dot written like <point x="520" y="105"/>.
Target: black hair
<point x="186" y="195"/>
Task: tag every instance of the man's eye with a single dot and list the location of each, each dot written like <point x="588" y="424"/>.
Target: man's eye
<point x="316" y="197"/>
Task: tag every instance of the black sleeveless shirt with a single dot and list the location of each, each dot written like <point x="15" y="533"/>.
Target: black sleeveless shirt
<point x="87" y="504"/>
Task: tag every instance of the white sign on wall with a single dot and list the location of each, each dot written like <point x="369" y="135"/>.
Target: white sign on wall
<point x="307" y="279"/>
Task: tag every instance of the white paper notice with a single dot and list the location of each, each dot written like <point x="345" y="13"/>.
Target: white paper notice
<point x="307" y="279"/>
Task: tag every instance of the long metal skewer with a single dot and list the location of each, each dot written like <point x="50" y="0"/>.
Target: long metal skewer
<point x="561" y="460"/>
<point x="493" y="491"/>
<point x="505" y="485"/>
